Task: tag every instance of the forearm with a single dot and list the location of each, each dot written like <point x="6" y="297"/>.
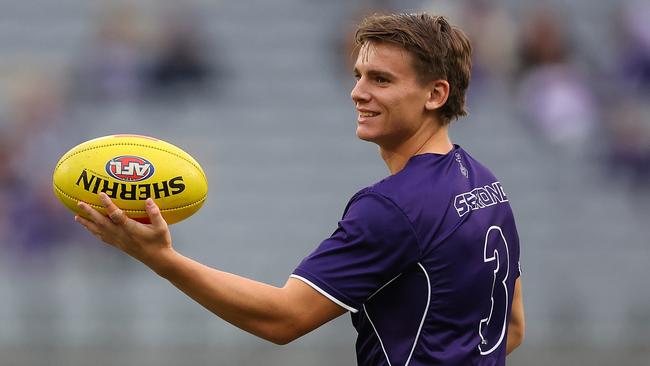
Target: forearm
<point x="257" y="308"/>
<point x="276" y="314"/>
<point x="515" y="339"/>
<point x="517" y="323"/>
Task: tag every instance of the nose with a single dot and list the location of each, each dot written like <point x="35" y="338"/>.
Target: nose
<point x="358" y="93"/>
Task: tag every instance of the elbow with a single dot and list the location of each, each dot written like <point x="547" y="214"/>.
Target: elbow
<point x="282" y="335"/>
<point x="281" y="340"/>
<point x="516" y="336"/>
<point x="521" y="332"/>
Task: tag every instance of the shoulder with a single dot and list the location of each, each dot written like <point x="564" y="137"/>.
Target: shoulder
<point x="372" y="204"/>
<point x="374" y="219"/>
<point x="424" y="177"/>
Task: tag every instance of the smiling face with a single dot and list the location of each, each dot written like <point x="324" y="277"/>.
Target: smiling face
<point x="390" y="101"/>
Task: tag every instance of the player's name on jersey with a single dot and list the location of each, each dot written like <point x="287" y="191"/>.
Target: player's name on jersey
<point x="480" y="197"/>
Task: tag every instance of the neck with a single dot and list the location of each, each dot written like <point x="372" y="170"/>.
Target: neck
<point x="433" y="140"/>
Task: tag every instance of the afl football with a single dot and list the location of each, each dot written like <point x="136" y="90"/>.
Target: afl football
<point x="130" y="169"/>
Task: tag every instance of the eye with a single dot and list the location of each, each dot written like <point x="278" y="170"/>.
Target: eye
<point x="381" y="80"/>
<point x="357" y="76"/>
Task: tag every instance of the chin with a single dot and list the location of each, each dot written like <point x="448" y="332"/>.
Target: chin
<point x="365" y="136"/>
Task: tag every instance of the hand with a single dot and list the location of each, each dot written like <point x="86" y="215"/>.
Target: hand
<point x="146" y="243"/>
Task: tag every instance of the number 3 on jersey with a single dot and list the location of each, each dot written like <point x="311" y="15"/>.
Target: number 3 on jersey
<point x="492" y="328"/>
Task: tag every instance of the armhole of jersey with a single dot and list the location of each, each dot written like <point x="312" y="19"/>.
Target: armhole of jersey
<point x="325" y="293"/>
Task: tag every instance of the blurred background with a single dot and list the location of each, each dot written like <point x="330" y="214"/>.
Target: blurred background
<point x="258" y="92"/>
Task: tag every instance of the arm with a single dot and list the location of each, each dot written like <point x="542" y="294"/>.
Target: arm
<point x="276" y="314"/>
<point x="279" y="315"/>
<point x="516" y="325"/>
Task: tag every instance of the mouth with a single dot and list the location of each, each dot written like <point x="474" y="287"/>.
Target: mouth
<point x="363" y="115"/>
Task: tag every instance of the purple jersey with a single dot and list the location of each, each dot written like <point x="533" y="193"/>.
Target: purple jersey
<point x="426" y="260"/>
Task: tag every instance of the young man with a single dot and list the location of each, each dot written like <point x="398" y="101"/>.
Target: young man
<point x="426" y="260"/>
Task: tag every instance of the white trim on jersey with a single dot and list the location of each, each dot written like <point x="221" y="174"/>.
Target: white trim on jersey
<point x="377" y="333"/>
<point x="382" y="287"/>
<point x="426" y="310"/>
<point x="324" y="293"/>
<point x="424" y="316"/>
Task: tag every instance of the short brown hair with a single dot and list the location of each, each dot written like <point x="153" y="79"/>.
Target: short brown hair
<point x="440" y="50"/>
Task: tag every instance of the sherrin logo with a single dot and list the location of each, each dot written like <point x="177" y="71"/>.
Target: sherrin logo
<point x="90" y="182"/>
<point x="129" y="168"/>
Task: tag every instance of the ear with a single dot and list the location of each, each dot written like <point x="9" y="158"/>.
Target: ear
<point x="438" y="94"/>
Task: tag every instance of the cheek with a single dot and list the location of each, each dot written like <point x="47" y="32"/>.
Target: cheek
<point x="401" y="105"/>
<point x="411" y="106"/>
<point x="400" y="113"/>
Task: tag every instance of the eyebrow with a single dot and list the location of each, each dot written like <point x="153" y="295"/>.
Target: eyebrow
<point x="374" y="73"/>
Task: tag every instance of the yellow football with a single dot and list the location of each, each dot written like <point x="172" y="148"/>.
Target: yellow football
<point x="130" y="169"/>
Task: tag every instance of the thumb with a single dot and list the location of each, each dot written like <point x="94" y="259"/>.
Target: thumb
<point x="154" y="214"/>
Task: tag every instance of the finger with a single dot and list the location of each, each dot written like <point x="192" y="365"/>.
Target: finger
<point x="89" y="225"/>
<point x="92" y="228"/>
<point x="93" y="215"/>
<point x="114" y="213"/>
<point x="155" y="216"/>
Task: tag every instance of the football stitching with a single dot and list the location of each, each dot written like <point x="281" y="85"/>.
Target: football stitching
<point x="132" y="144"/>
<point x="127" y="210"/>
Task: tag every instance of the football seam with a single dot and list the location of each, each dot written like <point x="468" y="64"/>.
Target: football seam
<point x="132" y="144"/>
<point x="128" y="210"/>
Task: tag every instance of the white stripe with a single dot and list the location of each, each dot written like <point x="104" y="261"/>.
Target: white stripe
<point x="417" y="335"/>
<point x="426" y="310"/>
<point x="382" y="287"/>
<point x="377" y="333"/>
<point x="324" y="293"/>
